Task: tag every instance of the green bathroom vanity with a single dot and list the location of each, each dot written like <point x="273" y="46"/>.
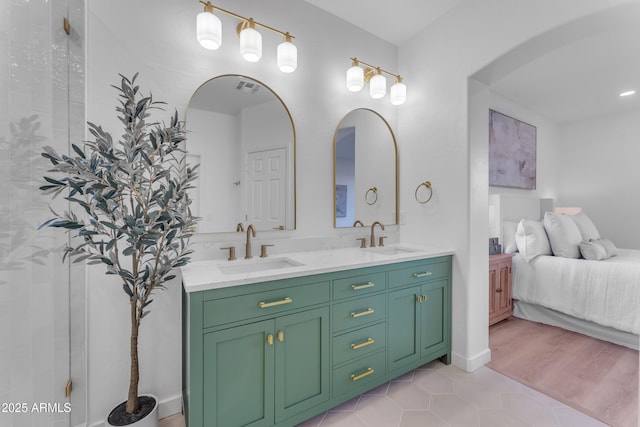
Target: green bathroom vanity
<point x="277" y="347"/>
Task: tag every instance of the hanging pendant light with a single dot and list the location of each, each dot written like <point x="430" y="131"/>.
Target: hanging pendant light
<point x="287" y="55"/>
<point x="355" y="77"/>
<point x="209" y="28"/>
<point x="398" y="93"/>
<point x="378" y="85"/>
<point x="250" y="41"/>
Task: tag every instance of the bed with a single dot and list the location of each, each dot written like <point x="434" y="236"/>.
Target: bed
<point x="596" y="297"/>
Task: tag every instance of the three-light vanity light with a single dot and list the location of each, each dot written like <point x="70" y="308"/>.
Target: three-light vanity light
<point x="357" y="76"/>
<point x="209" y="31"/>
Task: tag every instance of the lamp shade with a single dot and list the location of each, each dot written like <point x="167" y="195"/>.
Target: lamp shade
<point x="398" y="93"/>
<point x="287" y="57"/>
<point x="209" y="30"/>
<point x="377" y="86"/>
<point x="250" y="45"/>
<point x="355" y="79"/>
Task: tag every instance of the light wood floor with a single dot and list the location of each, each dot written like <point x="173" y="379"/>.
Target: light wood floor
<point x="596" y="377"/>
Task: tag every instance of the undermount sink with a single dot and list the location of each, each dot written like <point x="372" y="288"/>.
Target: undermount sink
<point x="254" y="265"/>
<point x="392" y="250"/>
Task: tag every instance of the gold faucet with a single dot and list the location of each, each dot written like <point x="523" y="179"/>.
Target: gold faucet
<point x="250" y="231"/>
<point x="239" y="227"/>
<point x="358" y="222"/>
<point x="372" y="244"/>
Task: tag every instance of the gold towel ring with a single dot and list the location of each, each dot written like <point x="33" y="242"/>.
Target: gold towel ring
<point x="427" y="185"/>
<point x="373" y="190"/>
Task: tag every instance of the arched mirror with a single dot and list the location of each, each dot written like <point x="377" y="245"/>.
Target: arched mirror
<point x="365" y="170"/>
<point x="243" y="137"/>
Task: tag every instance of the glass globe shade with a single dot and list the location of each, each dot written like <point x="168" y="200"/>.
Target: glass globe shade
<point x="355" y="79"/>
<point x="287" y="57"/>
<point x="377" y="86"/>
<point x="250" y="45"/>
<point x="398" y="93"/>
<point x="209" y="30"/>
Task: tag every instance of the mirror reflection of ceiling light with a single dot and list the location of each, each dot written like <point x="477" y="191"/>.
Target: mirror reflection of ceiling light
<point x="209" y="33"/>
<point x="627" y="93"/>
<point x="357" y="76"/>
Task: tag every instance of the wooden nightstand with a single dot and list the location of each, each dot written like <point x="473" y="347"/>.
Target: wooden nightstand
<point x="500" y="306"/>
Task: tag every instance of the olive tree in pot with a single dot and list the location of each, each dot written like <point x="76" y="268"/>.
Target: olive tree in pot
<point x="132" y="213"/>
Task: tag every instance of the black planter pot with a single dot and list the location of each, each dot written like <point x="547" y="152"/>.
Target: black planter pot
<point x="146" y="416"/>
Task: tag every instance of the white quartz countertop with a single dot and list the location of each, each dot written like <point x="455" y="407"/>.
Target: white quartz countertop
<point x="216" y="274"/>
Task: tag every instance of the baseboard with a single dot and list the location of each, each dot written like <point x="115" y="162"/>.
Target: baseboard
<point x="166" y="408"/>
<point x="170" y="406"/>
<point x="473" y="363"/>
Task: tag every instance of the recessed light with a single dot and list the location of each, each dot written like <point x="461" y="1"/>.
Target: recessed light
<point x="628" y="93"/>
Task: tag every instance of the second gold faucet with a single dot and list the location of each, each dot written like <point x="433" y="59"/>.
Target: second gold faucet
<point x="372" y="244"/>
<point x="251" y="231"/>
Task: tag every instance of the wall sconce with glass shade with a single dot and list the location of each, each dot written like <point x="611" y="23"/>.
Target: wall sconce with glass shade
<point x="357" y="76"/>
<point x="209" y="33"/>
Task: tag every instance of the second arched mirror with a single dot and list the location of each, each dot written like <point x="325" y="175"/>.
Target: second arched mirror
<point x="365" y="170"/>
<point x="242" y="135"/>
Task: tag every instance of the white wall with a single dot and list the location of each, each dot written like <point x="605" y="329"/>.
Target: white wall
<point x="599" y="172"/>
<point x="213" y="137"/>
<point x="435" y="143"/>
<point x="157" y="39"/>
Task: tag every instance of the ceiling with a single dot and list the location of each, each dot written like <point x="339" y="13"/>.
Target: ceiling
<point x="577" y="81"/>
<point x="394" y="22"/>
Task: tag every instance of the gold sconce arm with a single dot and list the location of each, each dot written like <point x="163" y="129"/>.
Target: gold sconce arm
<point x="372" y="70"/>
<point x="246" y="22"/>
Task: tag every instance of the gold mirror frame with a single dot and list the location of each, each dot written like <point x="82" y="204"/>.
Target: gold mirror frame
<point x="293" y="142"/>
<point x="395" y="165"/>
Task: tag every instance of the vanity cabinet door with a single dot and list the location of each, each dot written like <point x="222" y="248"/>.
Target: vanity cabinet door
<point x="418" y="323"/>
<point x="239" y="376"/>
<point x="404" y="327"/>
<point x="434" y="318"/>
<point x="302" y="361"/>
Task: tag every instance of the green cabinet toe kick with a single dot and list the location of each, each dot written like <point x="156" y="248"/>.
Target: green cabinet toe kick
<point x="280" y="352"/>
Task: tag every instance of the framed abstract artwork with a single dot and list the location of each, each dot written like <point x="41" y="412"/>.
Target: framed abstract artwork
<point x="512" y="152"/>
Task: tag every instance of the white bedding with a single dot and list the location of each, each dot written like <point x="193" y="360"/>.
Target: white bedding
<point x="605" y="292"/>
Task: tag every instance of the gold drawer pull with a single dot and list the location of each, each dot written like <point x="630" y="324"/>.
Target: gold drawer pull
<point x="425" y="274"/>
<point x="364" y="286"/>
<point x="369" y="341"/>
<point x="263" y="304"/>
<point x="366" y="373"/>
<point x="363" y="313"/>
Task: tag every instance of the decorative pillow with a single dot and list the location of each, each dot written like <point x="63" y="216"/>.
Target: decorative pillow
<point x="609" y="247"/>
<point x="564" y="235"/>
<point x="593" y="250"/>
<point x="509" y="237"/>
<point x="531" y="239"/>
<point x="587" y="229"/>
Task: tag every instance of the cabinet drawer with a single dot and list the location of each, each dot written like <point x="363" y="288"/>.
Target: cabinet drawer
<point x="417" y="273"/>
<point x="360" y="312"/>
<point x="359" y="285"/>
<point x="358" y="343"/>
<point x="355" y="376"/>
<point x="226" y="310"/>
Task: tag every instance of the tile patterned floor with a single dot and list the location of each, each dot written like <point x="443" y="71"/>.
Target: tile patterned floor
<point x="438" y="395"/>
